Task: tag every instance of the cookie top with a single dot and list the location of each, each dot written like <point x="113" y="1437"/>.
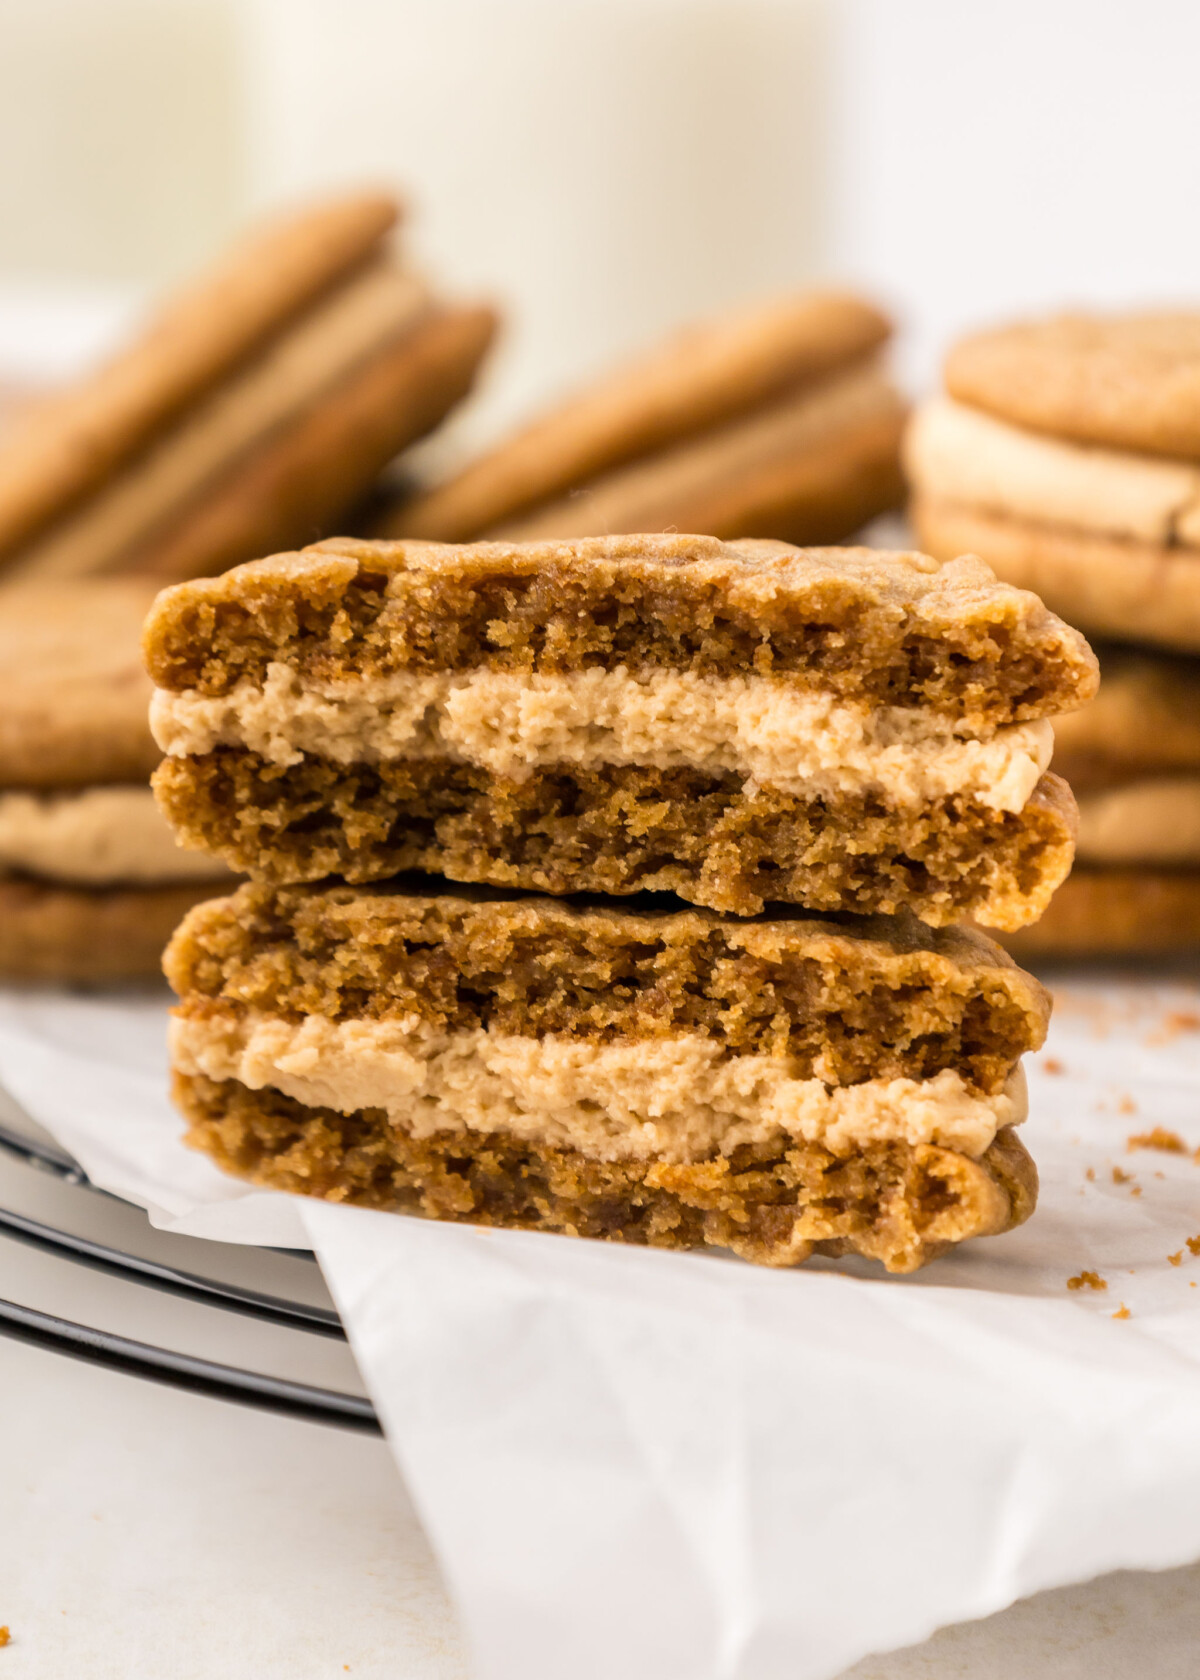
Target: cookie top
<point x="900" y="628"/>
<point x="73" y="695"/>
<point x="1128" y="381"/>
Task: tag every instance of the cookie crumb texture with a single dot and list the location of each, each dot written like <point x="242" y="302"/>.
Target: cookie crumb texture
<point x="870" y="999"/>
<point x="896" y="1203"/>
<point x="712" y="839"/>
<point x="896" y="629"/>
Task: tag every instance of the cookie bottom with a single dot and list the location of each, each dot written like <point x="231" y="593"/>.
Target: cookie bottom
<point x="1107" y="586"/>
<point x="1116" y="912"/>
<point x="90" y="936"/>
<point x="622" y="830"/>
<point x="896" y="1203"/>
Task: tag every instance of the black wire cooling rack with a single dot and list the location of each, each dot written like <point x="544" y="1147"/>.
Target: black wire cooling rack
<point x="142" y="1359"/>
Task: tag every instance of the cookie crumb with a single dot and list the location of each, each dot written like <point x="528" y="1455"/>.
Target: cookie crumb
<point x="1090" y="1175"/>
<point x="5" y="1636"/>
<point x="1051" y="1064"/>
<point x="1193" y="1244"/>
<point x="1158" y="1138"/>
<point x="1121" y="1177"/>
<point x="1127" y="1105"/>
<point x="1176" y="1259"/>
<point x="1136" y="1191"/>
<point x="1122" y="1312"/>
<point x="1181" y="1021"/>
<point x="1087" y="1280"/>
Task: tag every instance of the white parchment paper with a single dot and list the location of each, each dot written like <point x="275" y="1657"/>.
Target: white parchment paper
<point x="678" y="1467"/>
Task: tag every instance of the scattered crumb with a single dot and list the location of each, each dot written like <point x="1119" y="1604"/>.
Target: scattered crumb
<point x="5" y="1636"/>
<point x="1126" y="1105"/>
<point x="1176" y="1259"/>
<point x="1136" y="1191"/>
<point x="1192" y="1285"/>
<point x="1122" y="1312"/>
<point x="1193" y="1245"/>
<point x="1160" y="1175"/>
<point x="1181" y="1021"/>
<point x="1087" y="1280"/>
<point x="1051" y="1064"/>
<point x="1158" y="1138"/>
<point x="1090" y="1175"/>
<point x="1120" y="1176"/>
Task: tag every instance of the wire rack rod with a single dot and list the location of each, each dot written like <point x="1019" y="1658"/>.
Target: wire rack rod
<point x="187" y="1371"/>
<point x="291" y="1315"/>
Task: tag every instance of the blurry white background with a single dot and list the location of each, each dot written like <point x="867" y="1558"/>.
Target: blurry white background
<point x="607" y="167"/>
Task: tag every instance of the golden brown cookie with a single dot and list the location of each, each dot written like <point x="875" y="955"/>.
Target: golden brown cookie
<point x="1126" y="381"/>
<point x="71" y="442"/>
<point x="1116" y="912"/>
<point x="737" y="723"/>
<point x="73" y="694"/>
<point x="644" y="1076"/>
<point x="808" y="468"/>
<point x="188" y="461"/>
<point x="266" y="463"/>
<point x="1129" y="590"/>
<point x="702" y="378"/>
<point x="89" y="936"/>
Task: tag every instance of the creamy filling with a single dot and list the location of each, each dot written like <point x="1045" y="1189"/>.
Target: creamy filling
<point x="957" y="453"/>
<point x="681" y="1098"/>
<point x="764" y="729"/>
<point x="1156" y="821"/>
<point x="96" y="837"/>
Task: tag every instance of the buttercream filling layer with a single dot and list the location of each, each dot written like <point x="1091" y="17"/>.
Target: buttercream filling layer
<point x="767" y="730"/>
<point x="96" y="837"/>
<point x="675" y="1099"/>
<point x="1156" y="821"/>
<point x="957" y="453"/>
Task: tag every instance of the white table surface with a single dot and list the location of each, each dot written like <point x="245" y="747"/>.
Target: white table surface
<point x="149" y="1534"/>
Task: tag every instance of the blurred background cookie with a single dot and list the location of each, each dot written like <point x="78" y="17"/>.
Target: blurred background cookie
<point x="252" y="411"/>
<point x="1067" y="453"/>
<point x="773" y="421"/>
<point x="91" y="881"/>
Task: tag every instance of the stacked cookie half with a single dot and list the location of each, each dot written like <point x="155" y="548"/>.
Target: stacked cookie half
<point x="712" y="810"/>
<point x="1067" y="454"/>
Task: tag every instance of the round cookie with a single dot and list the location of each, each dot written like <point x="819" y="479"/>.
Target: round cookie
<point x="704" y="377"/>
<point x="1107" y="586"/>
<point x="89" y="936"/>
<point x="1145" y="721"/>
<point x="1127" y="381"/>
<point x="74" y="697"/>
<point x="1115" y="912"/>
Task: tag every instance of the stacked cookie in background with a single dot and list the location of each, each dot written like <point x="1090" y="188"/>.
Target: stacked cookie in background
<point x="92" y="882"/>
<point x="1067" y="454"/>
<point x="775" y="421"/>
<point x="254" y="409"/>
<point x="424" y="755"/>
